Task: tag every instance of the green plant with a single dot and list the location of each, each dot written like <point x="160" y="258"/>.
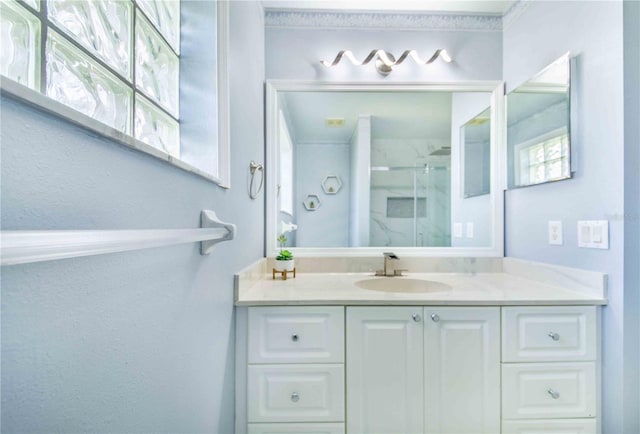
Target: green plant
<point x="285" y="255"/>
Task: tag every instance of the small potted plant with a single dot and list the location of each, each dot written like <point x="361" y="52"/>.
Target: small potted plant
<point x="284" y="261"/>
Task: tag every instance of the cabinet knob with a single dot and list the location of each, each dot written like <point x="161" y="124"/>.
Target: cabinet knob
<point x="295" y="397"/>
<point x="554" y="336"/>
<point x="435" y="317"/>
<point x="416" y="317"/>
<point x="553" y="393"/>
<point x="294" y="338"/>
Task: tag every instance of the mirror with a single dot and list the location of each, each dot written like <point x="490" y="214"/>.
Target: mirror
<point x="360" y="166"/>
<point x="538" y="127"/>
<point x="475" y="138"/>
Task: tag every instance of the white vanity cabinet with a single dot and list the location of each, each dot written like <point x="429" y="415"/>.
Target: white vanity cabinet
<point x="462" y="370"/>
<point x="416" y="369"/>
<point x="385" y="350"/>
<point x="550" y="369"/>
<point x="294" y="369"/>
<point x="423" y="370"/>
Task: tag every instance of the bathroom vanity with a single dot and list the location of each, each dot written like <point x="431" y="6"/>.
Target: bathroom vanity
<point x="497" y="345"/>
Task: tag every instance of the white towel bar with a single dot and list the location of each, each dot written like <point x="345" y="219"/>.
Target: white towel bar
<point x="23" y="247"/>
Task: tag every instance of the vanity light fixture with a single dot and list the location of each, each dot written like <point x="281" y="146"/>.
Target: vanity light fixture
<point x="385" y="61"/>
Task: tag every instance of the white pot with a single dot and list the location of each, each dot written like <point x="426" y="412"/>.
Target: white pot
<point x="285" y="265"/>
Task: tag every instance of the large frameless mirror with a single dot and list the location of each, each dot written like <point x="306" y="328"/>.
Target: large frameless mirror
<point x="539" y="127"/>
<point x="393" y="157"/>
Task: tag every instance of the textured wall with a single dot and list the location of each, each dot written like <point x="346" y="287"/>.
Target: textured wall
<point x="132" y="342"/>
<point x="593" y="32"/>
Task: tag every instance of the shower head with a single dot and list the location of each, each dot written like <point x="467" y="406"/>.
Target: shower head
<point x="445" y="150"/>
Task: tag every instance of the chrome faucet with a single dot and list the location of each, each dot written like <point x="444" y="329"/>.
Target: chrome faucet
<point x="389" y="266"/>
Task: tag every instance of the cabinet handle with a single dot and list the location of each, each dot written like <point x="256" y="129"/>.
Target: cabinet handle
<point x="554" y="394"/>
<point x="295" y="397"/>
<point x="435" y="317"/>
<point x="416" y="317"/>
<point x="294" y="338"/>
<point x="554" y="336"/>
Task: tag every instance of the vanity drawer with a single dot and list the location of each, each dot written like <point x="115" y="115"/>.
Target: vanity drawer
<point x="550" y="426"/>
<point x="296" y="393"/>
<point x="549" y="333"/>
<point x="296" y="428"/>
<point x="296" y="334"/>
<point x="549" y="390"/>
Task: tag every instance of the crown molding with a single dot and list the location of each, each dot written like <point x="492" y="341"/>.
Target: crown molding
<point x="382" y="21"/>
<point x="514" y="12"/>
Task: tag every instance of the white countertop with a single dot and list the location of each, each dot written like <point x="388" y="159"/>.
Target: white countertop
<point x="490" y="288"/>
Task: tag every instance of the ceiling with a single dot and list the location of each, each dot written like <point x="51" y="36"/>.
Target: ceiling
<point x="395" y="115"/>
<point x="497" y="7"/>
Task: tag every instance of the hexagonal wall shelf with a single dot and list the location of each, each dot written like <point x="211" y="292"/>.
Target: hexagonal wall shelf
<point x="332" y="184"/>
<point x="311" y="202"/>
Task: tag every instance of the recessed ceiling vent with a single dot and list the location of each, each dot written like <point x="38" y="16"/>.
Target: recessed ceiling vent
<point x="335" y="122"/>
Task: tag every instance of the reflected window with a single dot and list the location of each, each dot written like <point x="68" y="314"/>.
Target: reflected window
<point x="544" y="159"/>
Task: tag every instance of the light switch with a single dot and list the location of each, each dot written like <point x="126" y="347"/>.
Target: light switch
<point x="593" y="234"/>
<point x="457" y="230"/>
<point x="469" y="230"/>
<point x="555" y="232"/>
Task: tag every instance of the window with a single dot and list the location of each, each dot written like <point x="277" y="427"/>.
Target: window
<point x="118" y="62"/>
<point x="543" y="159"/>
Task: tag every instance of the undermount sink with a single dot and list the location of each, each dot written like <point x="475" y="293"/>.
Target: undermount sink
<point x="401" y="284"/>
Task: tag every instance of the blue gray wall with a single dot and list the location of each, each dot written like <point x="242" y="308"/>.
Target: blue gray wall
<point x="592" y="31"/>
<point x="295" y="53"/>
<point x="632" y="213"/>
<point x="132" y="342"/>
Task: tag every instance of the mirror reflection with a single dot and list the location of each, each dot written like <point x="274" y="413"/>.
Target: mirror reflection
<point x="379" y="168"/>
<point x="538" y="127"/>
<point x="476" y="144"/>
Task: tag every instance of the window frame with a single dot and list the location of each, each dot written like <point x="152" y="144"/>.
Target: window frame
<point x="39" y="99"/>
<point x="522" y="149"/>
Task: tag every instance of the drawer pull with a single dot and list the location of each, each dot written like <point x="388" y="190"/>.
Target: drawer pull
<point x="295" y="397"/>
<point x="554" y="336"/>
<point x="294" y="338"/>
<point x="435" y="317"/>
<point x="554" y="394"/>
<point x="416" y="317"/>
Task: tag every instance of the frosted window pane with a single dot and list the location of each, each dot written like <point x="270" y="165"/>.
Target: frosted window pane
<point x="20" y="43"/>
<point x="165" y="16"/>
<point x="102" y="26"/>
<point x="74" y="80"/>
<point x="156" y="67"/>
<point x="33" y="3"/>
<point x="155" y="128"/>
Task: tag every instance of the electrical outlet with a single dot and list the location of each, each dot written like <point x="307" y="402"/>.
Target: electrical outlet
<point x="555" y="233"/>
<point x="457" y="230"/>
<point x="469" y="230"/>
<point x="593" y="234"/>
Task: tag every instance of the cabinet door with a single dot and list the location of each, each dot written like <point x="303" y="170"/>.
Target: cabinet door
<point x="462" y="370"/>
<point x="384" y="370"/>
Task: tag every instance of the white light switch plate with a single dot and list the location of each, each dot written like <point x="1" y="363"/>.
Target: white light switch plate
<point x="593" y="234"/>
<point x="555" y="233"/>
<point x="457" y="230"/>
<point x="469" y="230"/>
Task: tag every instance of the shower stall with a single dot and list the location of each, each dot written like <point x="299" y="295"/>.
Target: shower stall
<point x="411" y="205"/>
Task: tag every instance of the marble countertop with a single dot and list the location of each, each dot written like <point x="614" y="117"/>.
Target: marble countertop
<point x="256" y="287"/>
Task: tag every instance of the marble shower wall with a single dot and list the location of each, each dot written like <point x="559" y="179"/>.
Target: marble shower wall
<point x="433" y="192"/>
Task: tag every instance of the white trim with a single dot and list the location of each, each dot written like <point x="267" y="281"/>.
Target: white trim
<point x="222" y="61"/>
<point x="23" y="247"/>
<point x="317" y="19"/>
<point x="498" y="164"/>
